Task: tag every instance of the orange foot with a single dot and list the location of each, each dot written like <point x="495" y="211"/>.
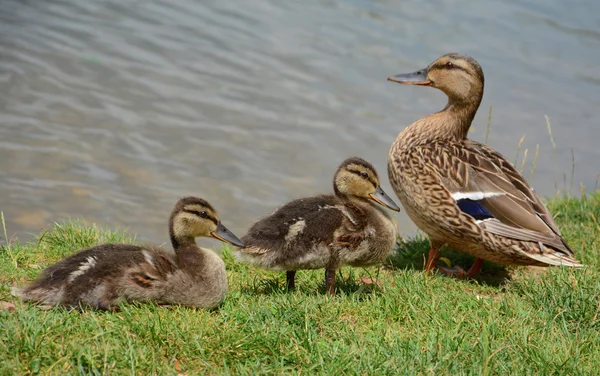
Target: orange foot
<point x="455" y="271"/>
<point x="459" y="272"/>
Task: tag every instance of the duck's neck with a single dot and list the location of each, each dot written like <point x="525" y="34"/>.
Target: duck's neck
<point x="460" y="115"/>
<point x="357" y="202"/>
<point x="180" y="242"/>
<point x="177" y="234"/>
<point x="451" y="123"/>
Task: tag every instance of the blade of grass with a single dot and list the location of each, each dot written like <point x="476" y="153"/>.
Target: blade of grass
<point x="8" y="247"/>
<point x="572" y="170"/>
<point x="554" y="151"/>
<point x="524" y="160"/>
<point x="489" y="125"/>
<point x="534" y="163"/>
<point x="519" y="150"/>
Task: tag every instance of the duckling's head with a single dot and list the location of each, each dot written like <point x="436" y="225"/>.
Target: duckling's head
<point x="357" y="178"/>
<point x="193" y="217"/>
<point x="459" y="76"/>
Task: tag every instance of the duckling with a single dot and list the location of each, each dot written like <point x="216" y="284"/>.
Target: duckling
<point x="326" y="231"/>
<point x="106" y="275"/>
<point x="462" y="193"/>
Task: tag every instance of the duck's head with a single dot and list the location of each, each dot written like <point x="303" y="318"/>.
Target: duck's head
<point x="357" y="178"/>
<point x="193" y="217"/>
<point x="459" y="76"/>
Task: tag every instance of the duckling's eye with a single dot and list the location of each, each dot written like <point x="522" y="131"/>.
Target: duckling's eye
<point x="364" y="175"/>
<point x="449" y="65"/>
<point x="203" y="214"/>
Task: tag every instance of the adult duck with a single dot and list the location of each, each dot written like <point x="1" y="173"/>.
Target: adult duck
<point x="463" y="193"/>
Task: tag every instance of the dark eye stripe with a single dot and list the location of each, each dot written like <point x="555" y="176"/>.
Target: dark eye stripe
<point x="198" y="214"/>
<point x="454" y="66"/>
<point x="359" y="173"/>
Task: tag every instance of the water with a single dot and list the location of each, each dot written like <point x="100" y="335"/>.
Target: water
<point x="111" y="110"/>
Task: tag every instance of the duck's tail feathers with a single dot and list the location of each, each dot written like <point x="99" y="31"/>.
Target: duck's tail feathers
<point x="556" y="259"/>
<point x="49" y="296"/>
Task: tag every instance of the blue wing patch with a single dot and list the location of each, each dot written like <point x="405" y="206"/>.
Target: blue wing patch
<point x="474" y="209"/>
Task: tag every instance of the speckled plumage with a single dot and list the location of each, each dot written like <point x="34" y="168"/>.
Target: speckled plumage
<point x="103" y="276"/>
<point x="463" y="193"/>
<point x="326" y="231"/>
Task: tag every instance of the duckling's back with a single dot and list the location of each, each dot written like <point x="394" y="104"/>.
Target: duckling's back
<point x="98" y="276"/>
<point x="299" y="235"/>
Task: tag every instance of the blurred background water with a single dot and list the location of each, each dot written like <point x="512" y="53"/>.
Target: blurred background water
<point x="111" y="110"/>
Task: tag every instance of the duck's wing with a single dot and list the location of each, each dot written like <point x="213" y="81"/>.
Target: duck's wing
<point x="55" y="277"/>
<point x="486" y="186"/>
<point x="303" y="222"/>
<point x="149" y="273"/>
<point x="98" y="276"/>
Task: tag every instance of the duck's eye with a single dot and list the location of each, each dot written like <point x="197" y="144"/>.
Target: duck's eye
<point x="364" y="175"/>
<point x="203" y="214"/>
<point x="449" y="65"/>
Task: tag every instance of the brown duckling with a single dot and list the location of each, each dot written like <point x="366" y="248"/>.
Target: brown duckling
<point x="326" y="231"/>
<point x="465" y="194"/>
<point x="106" y="275"/>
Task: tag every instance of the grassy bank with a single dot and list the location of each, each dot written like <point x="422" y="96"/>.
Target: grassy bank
<point x="510" y="321"/>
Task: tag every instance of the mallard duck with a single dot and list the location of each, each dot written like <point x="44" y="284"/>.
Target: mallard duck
<point x="326" y="231"/>
<point x="105" y="275"/>
<point x="462" y="193"/>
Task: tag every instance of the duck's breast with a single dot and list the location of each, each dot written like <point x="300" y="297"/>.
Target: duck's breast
<point x="201" y="282"/>
<point x="380" y="233"/>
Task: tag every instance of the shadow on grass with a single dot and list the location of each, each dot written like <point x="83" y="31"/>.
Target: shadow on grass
<point x="264" y="286"/>
<point x="412" y="254"/>
<point x="347" y="283"/>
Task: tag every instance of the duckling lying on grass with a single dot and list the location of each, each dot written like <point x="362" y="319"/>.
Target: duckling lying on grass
<point x="106" y="275"/>
<point x="326" y="231"/>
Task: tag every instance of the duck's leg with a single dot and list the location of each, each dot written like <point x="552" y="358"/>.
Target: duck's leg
<point x="434" y="254"/>
<point x="475" y="268"/>
<point x="432" y="259"/>
<point x="459" y="272"/>
<point x="330" y="281"/>
<point x="290" y="277"/>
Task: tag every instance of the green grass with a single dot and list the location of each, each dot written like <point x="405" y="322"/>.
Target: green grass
<point x="511" y="321"/>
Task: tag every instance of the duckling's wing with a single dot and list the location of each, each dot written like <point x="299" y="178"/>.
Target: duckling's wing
<point x="57" y="282"/>
<point x="302" y="221"/>
<point x="486" y="186"/>
<point x="150" y="273"/>
<point x="351" y="239"/>
<point x="130" y="273"/>
<point x="94" y="276"/>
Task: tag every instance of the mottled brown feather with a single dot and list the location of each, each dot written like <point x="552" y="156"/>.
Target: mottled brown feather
<point x="433" y="159"/>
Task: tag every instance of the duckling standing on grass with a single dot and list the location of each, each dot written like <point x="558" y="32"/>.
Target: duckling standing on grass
<point x="463" y="193"/>
<point x="326" y="231"/>
<point x="105" y="275"/>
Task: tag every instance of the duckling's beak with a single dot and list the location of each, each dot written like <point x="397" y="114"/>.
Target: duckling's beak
<point x="380" y="197"/>
<point x="224" y="235"/>
<point x="415" y="78"/>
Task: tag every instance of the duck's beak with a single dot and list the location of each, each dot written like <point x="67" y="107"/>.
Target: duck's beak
<point x="224" y="235"/>
<point x="380" y="197"/>
<point x="415" y="78"/>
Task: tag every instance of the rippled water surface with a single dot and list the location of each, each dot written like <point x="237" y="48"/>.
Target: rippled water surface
<point x="111" y="110"/>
